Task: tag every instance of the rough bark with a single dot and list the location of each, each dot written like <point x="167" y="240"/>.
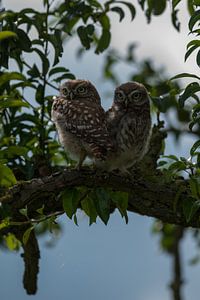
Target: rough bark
<point x="150" y="196"/>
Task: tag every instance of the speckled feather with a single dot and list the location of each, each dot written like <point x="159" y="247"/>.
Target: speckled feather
<point x="129" y="124"/>
<point x="81" y="125"/>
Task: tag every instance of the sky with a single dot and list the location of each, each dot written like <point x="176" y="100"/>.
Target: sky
<point x="117" y="261"/>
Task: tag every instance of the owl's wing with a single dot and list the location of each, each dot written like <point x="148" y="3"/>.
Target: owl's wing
<point x="88" y="123"/>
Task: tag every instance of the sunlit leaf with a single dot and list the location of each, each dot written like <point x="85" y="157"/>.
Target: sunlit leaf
<point x="7" y="34"/>
<point x="7" y="178"/>
<point x="12" y="242"/>
<point x="26" y="235"/>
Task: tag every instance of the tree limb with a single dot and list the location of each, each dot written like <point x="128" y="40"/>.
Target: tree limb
<point x="147" y="196"/>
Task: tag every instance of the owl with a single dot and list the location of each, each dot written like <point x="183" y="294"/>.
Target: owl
<point x="129" y="124"/>
<point x="81" y="122"/>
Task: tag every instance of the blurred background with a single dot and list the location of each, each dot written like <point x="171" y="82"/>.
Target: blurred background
<point x="116" y="261"/>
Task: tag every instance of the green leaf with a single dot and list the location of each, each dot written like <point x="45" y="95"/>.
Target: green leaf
<point x="75" y="220"/>
<point x="64" y="76"/>
<point x="44" y="59"/>
<point x="90" y="29"/>
<point x="196" y="2"/>
<point x="12" y="242"/>
<point x="194" y="19"/>
<point x="34" y="71"/>
<point x="104" y="21"/>
<point x="119" y="11"/>
<point x="177" y="166"/>
<point x="39" y="94"/>
<point x="7" y="178"/>
<point x="4" y="223"/>
<point x="94" y="3"/>
<point x="173" y="157"/>
<point x="58" y="70"/>
<point x="182" y="75"/>
<point x="89" y="208"/>
<point x="194" y="148"/>
<point x="7" y="34"/>
<point x="13" y="151"/>
<point x="130" y="7"/>
<point x="13" y="103"/>
<point x="84" y="38"/>
<point x="193" y="42"/>
<point x="102" y="203"/>
<point x="190" y="208"/>
<point x="57" y="42"/>
<point x="190" y="50"/>
<point x="26" y="235"/>
<point x="24" y="212"/>
<point x="121" y="201"/>
<point x="190" y="90"/>
<point x="198" y="58"/>
<point x="40" y="210"/>
<point x="6" y="77"/>
<point x="175" y="3"/>
<point x="104" y="41"/>
<point x="157" y="7"/>
<point x="175" y="20"/>
<point x="194" y="187"/>
<point x="71" y="198"/>
<point x="23" y="40"/>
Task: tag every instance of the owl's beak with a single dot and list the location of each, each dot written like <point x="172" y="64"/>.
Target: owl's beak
<point x="71" y="95"/>
<point x="126" y="102"/>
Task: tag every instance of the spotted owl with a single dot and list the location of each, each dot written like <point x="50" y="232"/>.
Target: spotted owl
<point x="129" y="123"/>
<point x="81" y="122"/>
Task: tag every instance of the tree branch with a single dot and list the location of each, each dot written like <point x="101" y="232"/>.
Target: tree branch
<point x="147" y="196"/>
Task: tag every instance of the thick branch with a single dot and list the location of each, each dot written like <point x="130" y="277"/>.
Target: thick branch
<point x="151" y="197"/>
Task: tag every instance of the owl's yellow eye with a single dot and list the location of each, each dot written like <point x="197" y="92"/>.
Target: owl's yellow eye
<point x="81" y="89"/>
<point x="136" y="96"/>
<point x="120" y="96"/>
<point x="65" y="91"/>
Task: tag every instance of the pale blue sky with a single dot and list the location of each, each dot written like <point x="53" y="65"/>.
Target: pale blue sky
<point x="118" y="261"/>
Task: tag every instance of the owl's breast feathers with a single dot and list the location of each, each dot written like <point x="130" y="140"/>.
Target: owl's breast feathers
<point x="85" y="121"/>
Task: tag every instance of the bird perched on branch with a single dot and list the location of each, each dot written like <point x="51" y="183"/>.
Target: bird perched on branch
<point x="81" y="122"/>
<point x="129" y="124"/>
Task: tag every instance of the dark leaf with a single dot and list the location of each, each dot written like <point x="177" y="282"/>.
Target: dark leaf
<point x="182" y="75"/>
<point x="104" y="41"/>
<point x="130" y="6"/>
<point x="89" y="208"/>
<point x="23" y="40"/>
<point x="194" y="148"/>
<point x="44" y="59"/>
<point x="58" y="70"/>
<point x="190" y="90"/>
<point x="39" y="95"/>
<point x="194" y="19"/>
<point x="175" y="3"/>
<point x="84" y="38"/>
<point x="34" y="71"/>
<point x="70" y="199"/>
<point x="198" y="58"/>
<point x="119" y="11"/>
<point x="102" y="203"/>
